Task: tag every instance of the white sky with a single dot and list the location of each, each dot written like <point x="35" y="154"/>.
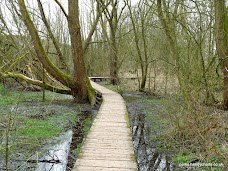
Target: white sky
<point x="84" y="4"/>
<point x="50" y="8"/>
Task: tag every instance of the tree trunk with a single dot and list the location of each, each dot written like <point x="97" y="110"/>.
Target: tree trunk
<point x="113" y="21"/>
<point x="143" y="61"/>
<point x="112" y="17"/>
<point x="41" y="54"/>
<point x="79" y="84"/>
<point x="79" y="89"/>
<point x="222" y="44"/>
<point x="113" y="59"/>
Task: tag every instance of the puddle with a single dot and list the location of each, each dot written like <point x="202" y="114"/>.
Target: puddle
<point x="147" y="156"/>
<point x="61" y="157"/>
<point x="56" y="157"/>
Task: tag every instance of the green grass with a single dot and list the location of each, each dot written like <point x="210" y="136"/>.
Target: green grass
<point x="35" y="123"/>
<point x="39" y="129"/>
<point x="78" y="150"/>
<point x="181" y="158"/>
<point x="9" y="96"/>
<point x="86" y="125"/>
<point x="109" y="86"/>
<point x="156" y="114"/>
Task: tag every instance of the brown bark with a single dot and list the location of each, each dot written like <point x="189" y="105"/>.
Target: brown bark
<point x="145" y="61"/>
<point x="222" y="44"/>
<point x="113" y="60"/>
<point x="80" y="89"/>
<point x="112" y="18"/>
<point x="113" y="21"/>
<point x="79" y="85"/>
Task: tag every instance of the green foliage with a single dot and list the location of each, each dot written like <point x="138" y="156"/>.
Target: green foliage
<point x="181" y="158"/>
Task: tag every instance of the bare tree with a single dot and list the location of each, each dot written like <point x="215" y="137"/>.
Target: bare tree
<point x="112" y="15"/>
<point x="76" y="84"/>
<point x="139" y="30"/>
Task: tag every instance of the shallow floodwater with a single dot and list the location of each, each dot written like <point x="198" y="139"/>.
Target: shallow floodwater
<point x="147" y="156"/>
<point x="56" y="157"/>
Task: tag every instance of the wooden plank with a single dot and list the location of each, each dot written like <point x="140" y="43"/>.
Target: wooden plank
<point x="102" y="156"/>
<point x="126" y="144"/>
<point x="108" y="146"/>
<point x="106" y="163"/>
<point x="86" y="168"/>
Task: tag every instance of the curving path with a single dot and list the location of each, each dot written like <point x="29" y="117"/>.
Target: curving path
<point x="108" y="146"/>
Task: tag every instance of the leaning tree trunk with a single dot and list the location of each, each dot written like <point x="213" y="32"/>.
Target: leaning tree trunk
<point x="41" y="54"/>
<point x="78" y="84"/>
<point x="222" y="44"/>
<point x="62" y="60"/>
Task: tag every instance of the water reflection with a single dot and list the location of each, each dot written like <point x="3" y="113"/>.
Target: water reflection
<point x="56" y="157"/>
<point x="147" y="156"/>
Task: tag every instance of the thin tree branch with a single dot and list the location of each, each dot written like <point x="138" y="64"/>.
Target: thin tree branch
<point x="63" y="63"/>
<point x="94" y="25"/>
<point x="61" y="7"/>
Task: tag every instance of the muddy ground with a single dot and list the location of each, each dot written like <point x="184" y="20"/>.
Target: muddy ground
<point x="148" y="157"/>
<point x="146" y="115"/>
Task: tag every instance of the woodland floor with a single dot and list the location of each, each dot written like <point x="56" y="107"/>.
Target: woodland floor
<point x="32" y="123"/>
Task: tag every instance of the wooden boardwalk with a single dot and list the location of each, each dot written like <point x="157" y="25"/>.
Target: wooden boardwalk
<point x="108" y="146"/>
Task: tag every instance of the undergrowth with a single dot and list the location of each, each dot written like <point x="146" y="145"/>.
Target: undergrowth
<point x="192" y="133"/>
<point x="198" y="134"/>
